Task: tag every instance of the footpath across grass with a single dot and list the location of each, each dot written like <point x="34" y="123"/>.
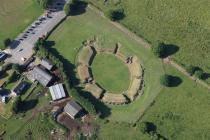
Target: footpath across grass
<point x="15" y="16"/>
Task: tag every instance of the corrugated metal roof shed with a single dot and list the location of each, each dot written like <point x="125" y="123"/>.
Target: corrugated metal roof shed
<point x="41" y="75"/>
<point x="57" y="91"/>
<point x="72" y="108"/>
<point x="47" y="64"/>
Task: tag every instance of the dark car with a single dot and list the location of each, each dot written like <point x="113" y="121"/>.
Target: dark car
<point x="3" y="56"/>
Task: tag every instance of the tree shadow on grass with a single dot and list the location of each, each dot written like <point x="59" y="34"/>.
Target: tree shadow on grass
<point x="205" y="76"/>
<point x="175" y="81"/>
<point x="68" y="66"/>
<point x="49" y="44"/>
<point x="151" y="127"/>
<point x="28" y="105"/>
<point x="79" y="8"/>
<point x="170" y="49"/>
<point x="100" y="107"/>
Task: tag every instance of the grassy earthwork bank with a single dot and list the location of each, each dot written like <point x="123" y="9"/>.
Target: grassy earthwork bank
<point x="68" y="38"/>
<point x="15" y="16"/>
<point x="183" y="23"/>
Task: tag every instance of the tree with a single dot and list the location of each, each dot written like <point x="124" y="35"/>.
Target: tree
<point x="116" y="14"/>
<point x="7" y="42"/>
<point x="165" y="80"/>
<point x="17" y="68"/>
<point x="72" y="6"/>
<point x="44" y="3"/>
<point x="12" y="78"/>
<point x="16" y="105"/>
<point x="199" y="74"/>
<point x="143" y="127"/>
<point x="159" y="50"/>
<point x="190" y="69"/>
<point x="67" y="8"/>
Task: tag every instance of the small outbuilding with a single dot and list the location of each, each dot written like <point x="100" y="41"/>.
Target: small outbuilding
<point x="72" y="109"/>
<point x="41" y="75"/>
<point x="47" y="64"/>
<point x="57" y="91"/>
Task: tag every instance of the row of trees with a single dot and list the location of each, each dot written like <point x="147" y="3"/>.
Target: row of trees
<point x="43" y="52"/>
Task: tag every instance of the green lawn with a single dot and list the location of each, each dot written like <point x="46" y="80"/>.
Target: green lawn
<point x="111" y="73"/>
<point x="184" y="23"/>
<point x="179" y="113"/>
<point x="15" y="16"/>
<point x="68" y="37"/>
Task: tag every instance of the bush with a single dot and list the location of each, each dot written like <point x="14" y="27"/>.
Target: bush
<point x="7" y="42"/>
<point x="17" y="68"/>
<point x="44" y="3"/>
<point x="116" y="15"/>
<point x="165" y="80"/>
<point x="67" y="8"/>
<point x="12" y="78"/>
<point x="159" y="50"/>
<point x="190" y="69"/>
<point x="199" y="74"/>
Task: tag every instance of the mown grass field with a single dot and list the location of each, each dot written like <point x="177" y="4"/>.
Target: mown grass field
<point x="179" y="113"/>
<point x="111" y="73"/>
<point x="15" y="16"/>
<point x="184" y="23"/>
<point x="68" y="37"/>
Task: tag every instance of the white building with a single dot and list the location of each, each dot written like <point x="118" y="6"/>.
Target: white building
<point x="57" y="91"/>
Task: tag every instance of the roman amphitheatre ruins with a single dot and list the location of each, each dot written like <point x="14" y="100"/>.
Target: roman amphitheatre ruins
<point x="86" y="56"/>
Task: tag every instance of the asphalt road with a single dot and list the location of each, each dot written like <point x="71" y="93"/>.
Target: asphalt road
<point x="22" y="46"/>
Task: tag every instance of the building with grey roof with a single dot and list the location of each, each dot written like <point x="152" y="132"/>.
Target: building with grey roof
<point x="72" y="109"/>
<point x="41" y="75"/>
<point x="47" y="64"/>
<point x="57" y="91"/>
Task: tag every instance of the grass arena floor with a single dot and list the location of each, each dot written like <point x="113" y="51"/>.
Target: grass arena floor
<point x="111" y="73"/>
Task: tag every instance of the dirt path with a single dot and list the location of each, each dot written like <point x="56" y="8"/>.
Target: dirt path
<point x="143" y="43"/>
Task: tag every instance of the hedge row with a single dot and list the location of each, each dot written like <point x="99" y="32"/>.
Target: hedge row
<point x="43" y="52"/>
